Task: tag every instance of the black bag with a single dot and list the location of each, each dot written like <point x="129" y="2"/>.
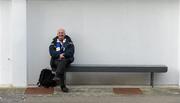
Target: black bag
<point x="46" y="79"/>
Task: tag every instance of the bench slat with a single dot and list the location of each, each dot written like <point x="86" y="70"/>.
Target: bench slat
<point x="128" y="68"/>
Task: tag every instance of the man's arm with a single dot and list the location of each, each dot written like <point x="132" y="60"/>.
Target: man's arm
<point x="52" y="51"/>
<point x="69" y="51"/>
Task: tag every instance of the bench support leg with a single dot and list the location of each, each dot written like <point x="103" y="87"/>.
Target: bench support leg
<point x="152" y="79"/>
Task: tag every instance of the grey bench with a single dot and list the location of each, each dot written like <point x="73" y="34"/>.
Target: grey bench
<point x="123" y="68"/>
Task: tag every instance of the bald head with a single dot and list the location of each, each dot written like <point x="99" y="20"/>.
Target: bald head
<point x="61" y="34"/>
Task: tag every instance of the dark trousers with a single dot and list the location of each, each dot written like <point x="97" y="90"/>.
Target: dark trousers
<point x="61" y="66"/>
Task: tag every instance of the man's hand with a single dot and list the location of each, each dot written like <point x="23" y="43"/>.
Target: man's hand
<point x="61" y="56"/>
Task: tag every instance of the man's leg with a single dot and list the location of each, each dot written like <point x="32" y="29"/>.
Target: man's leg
<point x="61" y="68"/>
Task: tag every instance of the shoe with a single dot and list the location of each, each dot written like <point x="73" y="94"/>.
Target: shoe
<point x="64" y="89"/>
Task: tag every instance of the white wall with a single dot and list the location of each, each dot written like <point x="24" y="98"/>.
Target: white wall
<point x="19" y="43"/>
<point x="5" y="14"/>
<point x="0" y="42"/>
<point x="13" y="46"/>
<point x="143" y="32"/>
<point x="107" y="32"/>
<point x="134" y="31"/>
<point x="179" y="44"/>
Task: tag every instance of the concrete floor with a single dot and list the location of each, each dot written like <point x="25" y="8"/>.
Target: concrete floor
<point x="92" y="94"/>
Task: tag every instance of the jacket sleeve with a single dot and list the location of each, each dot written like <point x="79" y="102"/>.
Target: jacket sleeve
<point x="69" y="51"/>
<point x="52" y="51"/>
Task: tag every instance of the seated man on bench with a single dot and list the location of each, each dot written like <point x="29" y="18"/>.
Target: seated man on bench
<point x="62" y="54"/>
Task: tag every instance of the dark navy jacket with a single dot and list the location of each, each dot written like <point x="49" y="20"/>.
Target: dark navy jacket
<point x="68" y="50"/>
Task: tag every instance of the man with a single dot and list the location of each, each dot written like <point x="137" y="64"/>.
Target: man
<point x="62" y="54"/>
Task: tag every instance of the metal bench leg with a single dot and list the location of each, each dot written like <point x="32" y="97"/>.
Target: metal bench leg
<point x="152" y="79"/>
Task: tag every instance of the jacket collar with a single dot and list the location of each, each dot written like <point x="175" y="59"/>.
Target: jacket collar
<point x="55" y="39"/>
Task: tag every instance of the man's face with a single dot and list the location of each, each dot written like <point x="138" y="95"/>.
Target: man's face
<point x="61" y="34"/>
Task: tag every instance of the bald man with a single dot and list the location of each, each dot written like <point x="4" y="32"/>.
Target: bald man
<point x="62" y="54"/>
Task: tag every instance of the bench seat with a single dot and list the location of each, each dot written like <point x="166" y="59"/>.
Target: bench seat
<point x="120" y="68"/>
